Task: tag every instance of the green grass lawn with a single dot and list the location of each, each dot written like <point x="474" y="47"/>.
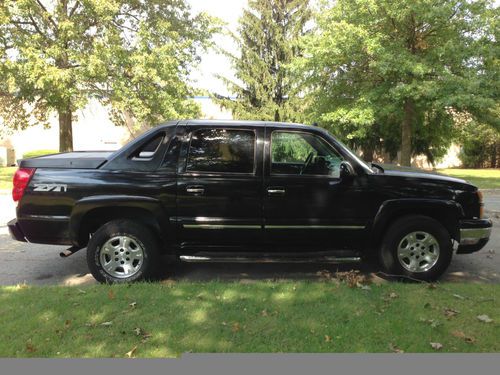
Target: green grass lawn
<point x="170" y="318"/>
<point x="6" y="174"/>
<point x="482" y="178"/>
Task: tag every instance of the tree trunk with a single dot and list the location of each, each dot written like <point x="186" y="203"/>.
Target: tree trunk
<point x="65" y="129"/>
<point x="493" y="156"/>
<point x="368" y="151"/>
<point x="406" y="133"/>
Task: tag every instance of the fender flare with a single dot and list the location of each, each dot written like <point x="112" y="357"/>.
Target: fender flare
<point x="448" y="212"/>
<point x="85" y="205"/>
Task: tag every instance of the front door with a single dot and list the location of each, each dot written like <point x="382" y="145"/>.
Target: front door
<point x="307" y="206"/>
<point x="219" y="188"/>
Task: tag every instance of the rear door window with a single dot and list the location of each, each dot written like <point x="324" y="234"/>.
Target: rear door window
<point x="222" y="151"/>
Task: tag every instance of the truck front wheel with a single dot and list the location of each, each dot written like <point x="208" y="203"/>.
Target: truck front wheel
<point x="418" y="247"/>
<point x="123" y="251"/>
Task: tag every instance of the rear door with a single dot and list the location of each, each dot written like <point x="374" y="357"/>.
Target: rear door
<point x="219" y="187"/>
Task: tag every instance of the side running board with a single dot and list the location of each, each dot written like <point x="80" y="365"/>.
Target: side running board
<point x="267" y="259"/>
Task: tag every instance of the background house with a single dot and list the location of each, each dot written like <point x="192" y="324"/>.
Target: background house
<point x="92" y="130"/>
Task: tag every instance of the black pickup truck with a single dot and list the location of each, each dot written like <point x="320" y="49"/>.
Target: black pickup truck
<point x="243" y="191"/>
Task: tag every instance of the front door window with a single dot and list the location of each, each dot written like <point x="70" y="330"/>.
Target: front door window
<point x="301" y="153"/>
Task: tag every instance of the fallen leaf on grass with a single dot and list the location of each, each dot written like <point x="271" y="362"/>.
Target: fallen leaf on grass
<point x="107" y="324"/>
<point x="133" y="305"/>
<point x="131" y="353"/>
<point x="168" y="282"/>
<point x="81" y="291"/>
<point x="264" y="313"/>
<point x="30" y="348"/>
<point x="236" y="327"/>
<point x="395" y="349"/>
<point x="484" y="318"/>
<point x="352" y="278"/>
<point x="393" y="295"/>
<point x="450" y="313"/>
<point x="145" y="337"/>
<point x="364" y="287"/>
<point x="461" y="335"/>
<point x="138" y="331"/>
<point x="324" y="274"/>
<point x="433" y="323"/>
<point x="432" y="286"/>
<point x="328" y="338"/>
<point x="67" y="323"/>
<point x="436" y="345"/>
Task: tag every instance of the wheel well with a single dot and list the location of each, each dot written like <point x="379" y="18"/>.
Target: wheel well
<point x="96" y="218"/>
<point x="444" y="217"/>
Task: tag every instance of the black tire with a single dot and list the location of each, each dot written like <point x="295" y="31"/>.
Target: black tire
<point x="396" y="234"/>
<point x="141" y="236"/>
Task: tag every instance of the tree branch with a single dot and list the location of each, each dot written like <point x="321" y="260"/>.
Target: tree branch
<point x="73" y="10"/>
<point x="47" y="12"/>
<point x="39" y="31"/>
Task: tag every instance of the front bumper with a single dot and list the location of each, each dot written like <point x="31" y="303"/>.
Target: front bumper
<point x="474" y="235"/>
<point x="15" y="231"/>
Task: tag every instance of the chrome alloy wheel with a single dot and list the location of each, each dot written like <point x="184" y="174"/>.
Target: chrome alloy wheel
<point x="418" y="251"/>
<point x="121" y="257"/>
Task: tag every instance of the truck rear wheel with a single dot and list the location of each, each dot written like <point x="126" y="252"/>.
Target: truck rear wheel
<point x="418" y="247"/>
<point x="123" y="251"/>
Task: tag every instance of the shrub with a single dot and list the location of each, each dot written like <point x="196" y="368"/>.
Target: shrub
<point x="35" y="153"/>
<point x="480" y="147"/>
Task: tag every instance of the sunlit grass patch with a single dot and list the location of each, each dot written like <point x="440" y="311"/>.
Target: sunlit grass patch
<point x="301" y="316"/>
<point x="482" y="178"/>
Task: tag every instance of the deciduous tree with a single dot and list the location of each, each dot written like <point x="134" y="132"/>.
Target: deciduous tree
<point x="135" y="55"/>
<point x="393" y="70"/>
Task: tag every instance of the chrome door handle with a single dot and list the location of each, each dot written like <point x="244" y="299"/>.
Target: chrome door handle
<point x="276" y="191"/>
<point x="197" y="190"/>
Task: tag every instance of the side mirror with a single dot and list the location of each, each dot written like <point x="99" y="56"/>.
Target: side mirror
<point x="346" y="170"/>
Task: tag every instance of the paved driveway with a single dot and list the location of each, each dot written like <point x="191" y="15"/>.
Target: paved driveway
<point x="40" y="264"/>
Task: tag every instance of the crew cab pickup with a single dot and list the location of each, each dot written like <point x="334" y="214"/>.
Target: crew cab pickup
<point x="243" y="191"/>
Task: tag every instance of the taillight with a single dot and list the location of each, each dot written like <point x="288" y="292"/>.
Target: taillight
<point x="21" y="181"/>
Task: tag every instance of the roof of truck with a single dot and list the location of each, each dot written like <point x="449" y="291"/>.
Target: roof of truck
<point x="256" y="123"/>
<point x="243" y="123"/>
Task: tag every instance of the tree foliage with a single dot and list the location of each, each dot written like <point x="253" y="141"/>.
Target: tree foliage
<point x="134" y="55"/>
<point x="385" y="74"/>
<point x="267" y="38"/>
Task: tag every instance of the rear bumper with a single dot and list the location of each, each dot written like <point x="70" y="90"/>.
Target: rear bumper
<point x="15" y="231"/>
<point x="474" y="235"/>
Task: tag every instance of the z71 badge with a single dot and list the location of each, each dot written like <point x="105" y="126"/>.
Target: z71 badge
<point x="51" y="187"/>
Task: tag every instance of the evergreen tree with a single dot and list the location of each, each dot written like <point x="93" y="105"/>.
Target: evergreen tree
<point x="265" y="87"/>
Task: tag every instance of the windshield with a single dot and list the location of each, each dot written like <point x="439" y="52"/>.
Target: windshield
<point x="364" y="164"/>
